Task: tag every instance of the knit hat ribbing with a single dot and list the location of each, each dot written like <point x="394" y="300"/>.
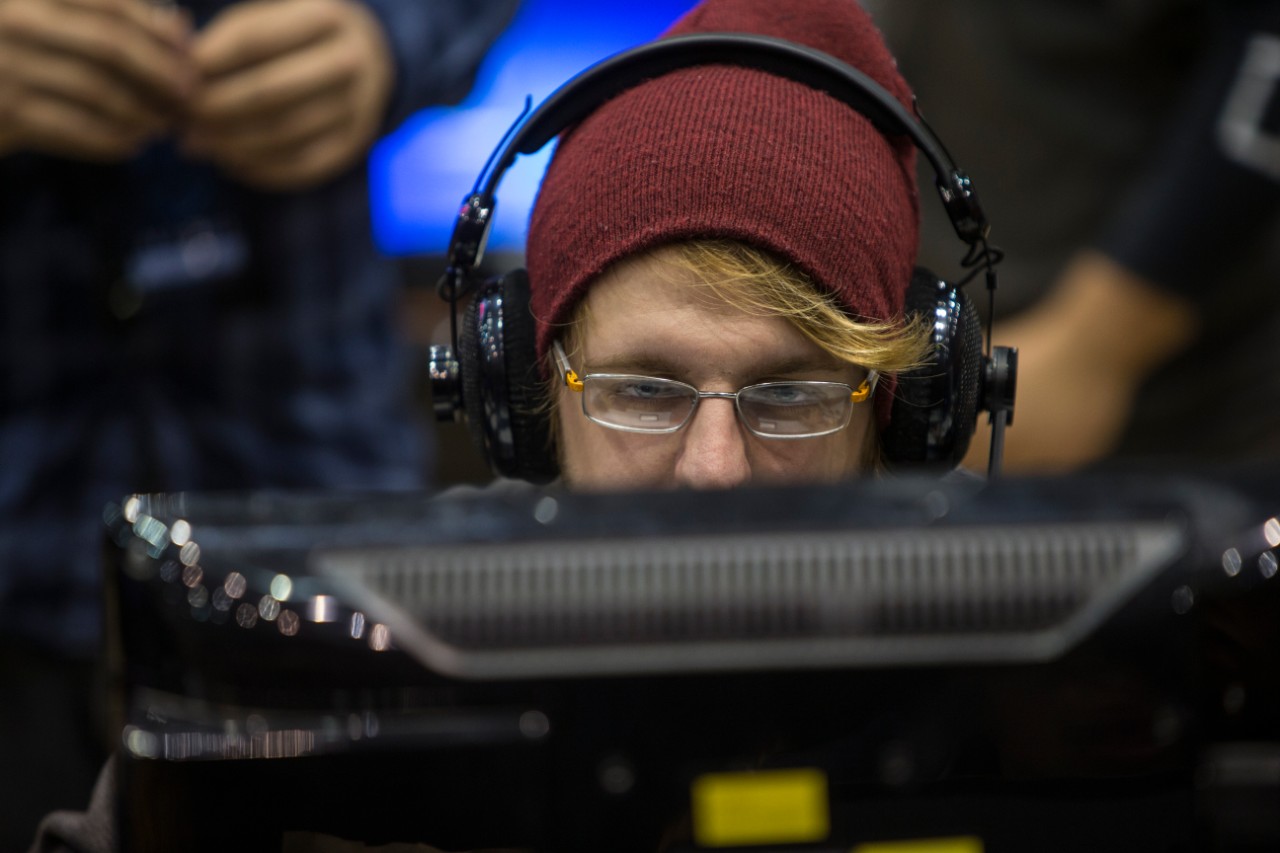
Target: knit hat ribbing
<point x="722" y="151"/>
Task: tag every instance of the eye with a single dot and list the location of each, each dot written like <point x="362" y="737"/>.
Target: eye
<point x="787" y="394"/>
<point x="642" y="388"/>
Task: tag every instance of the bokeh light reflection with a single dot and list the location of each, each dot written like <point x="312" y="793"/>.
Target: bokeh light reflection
<point x="363" y="725"/>
<point x="140" y="743"/>
<point x="130" y="508"/>
<point x="268" y="608"/>
<point x="1271" y="532"/>
<point x="1183" y="599"/>
<point x="380" y="638"/>
<point x="288" y="623"/>
<point x="221" y="601"/>
<point x="235" y="585"/>
<point x="152" y="531"/>
<point x="322" y="608"/>
<point x="180" y="533"/>
<point x="189" y="554"/>
<point x="1267" y="564"/>
<point x="281" y="587"/>
<point x="170" y="571"/>
<point x="192" y="576"/>
<point x="198" y="596"/>
<point x="246" y="615"/>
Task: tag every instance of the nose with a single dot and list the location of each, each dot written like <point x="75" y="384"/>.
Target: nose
<point x="714" y="450"/>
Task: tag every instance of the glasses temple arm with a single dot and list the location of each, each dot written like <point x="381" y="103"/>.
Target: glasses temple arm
<point x="571" y="380"/>
<point x="868" y="385"/>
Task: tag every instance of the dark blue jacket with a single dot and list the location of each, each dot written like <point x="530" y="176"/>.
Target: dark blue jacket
<point x="275" y="362"/>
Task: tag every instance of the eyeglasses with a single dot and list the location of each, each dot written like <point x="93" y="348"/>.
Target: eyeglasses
<point x="800" y="409"/>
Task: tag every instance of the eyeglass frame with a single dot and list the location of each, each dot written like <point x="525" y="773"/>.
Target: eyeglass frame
<point x="577" y="384"/>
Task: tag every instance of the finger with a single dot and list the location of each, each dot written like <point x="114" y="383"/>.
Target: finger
<point x="318" y="161"/>
<point x="39" y="75"/>
<point x="167" y="23"/>
<point x="257" y="31"/>
<point x="106" y="40"/>
<point x="275" y="135"/>
<point x="60" y="127"/>
<point x="267" y="89"/>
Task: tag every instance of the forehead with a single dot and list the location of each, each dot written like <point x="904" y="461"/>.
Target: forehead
<point x="649" y="308"/>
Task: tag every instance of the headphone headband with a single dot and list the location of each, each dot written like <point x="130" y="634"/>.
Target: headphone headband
<point x="583" y="94"/>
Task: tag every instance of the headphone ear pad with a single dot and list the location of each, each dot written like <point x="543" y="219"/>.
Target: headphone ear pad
<point x="502" y="389"/>
<point x="935" y="408"/>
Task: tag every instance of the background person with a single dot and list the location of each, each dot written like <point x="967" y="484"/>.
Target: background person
<point x="1129" y="152"/>
<point x="191" y="297"/>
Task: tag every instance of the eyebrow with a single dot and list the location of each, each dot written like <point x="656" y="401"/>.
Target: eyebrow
<point x="656" y="365"/>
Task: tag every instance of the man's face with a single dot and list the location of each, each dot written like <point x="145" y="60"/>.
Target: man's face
<point x="650" y="318"/>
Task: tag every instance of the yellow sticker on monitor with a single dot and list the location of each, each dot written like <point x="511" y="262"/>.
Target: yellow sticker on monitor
<point x="959" y="844"/>
<point x="760" y="807"/>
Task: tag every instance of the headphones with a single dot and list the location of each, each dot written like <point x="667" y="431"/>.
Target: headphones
<point x="491" y="375"/>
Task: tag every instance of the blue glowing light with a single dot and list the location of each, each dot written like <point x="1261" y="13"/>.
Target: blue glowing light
<point x="420" y="173"/>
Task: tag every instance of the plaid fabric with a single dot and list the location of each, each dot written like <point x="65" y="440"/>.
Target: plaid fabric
<point x="290" y="375"/>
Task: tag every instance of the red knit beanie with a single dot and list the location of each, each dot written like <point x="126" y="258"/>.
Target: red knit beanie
<point x="721" y="151"/>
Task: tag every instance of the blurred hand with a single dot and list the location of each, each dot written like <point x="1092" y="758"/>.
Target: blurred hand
<point x="89" y="79"/>
<point x="292" y="91"/>
<point x="1083" y="352"/>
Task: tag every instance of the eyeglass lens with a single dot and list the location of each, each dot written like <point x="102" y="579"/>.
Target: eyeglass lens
<point x="782" y="409"/>
<point x="637" y="402"/>
<point x="791" y="408"/>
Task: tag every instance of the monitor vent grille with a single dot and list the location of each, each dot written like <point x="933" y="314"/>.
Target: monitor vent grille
<point x="799" y="585"/>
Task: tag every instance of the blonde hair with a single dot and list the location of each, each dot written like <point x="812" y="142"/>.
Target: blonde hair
<point x="763" y="284"/>
<point x="760" y="283"/>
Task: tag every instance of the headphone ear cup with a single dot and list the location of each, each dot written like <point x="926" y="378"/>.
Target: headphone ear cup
<point x="502" y="390"/>
<point x="469" y="372"/>
<point x="935" y="408"/>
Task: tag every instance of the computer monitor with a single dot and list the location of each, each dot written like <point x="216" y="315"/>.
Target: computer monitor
<point x="1047" y="664"/>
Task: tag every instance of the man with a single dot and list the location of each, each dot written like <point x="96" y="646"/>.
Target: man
<point x="1130" y="152"/>
<point x="718" y="260"/>
<point x="191" y="297"/>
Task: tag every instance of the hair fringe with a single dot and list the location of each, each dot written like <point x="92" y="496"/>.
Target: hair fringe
<point x="763" y="284"/>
